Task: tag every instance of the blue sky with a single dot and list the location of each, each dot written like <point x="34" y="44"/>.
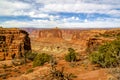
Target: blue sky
<point x="60" y="13"/>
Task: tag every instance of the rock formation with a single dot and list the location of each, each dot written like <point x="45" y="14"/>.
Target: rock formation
<point x="107" y="36"/>
<point x="13" y="43"/>
<point x="76" y="38"/>
<point x="50" y="33"/>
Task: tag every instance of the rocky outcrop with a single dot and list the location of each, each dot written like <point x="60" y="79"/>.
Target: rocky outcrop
<point x="13" y="43"/>
<point x="50" y="33"/>
<point x="101" y="38"/>
<point x="94" y="43"/>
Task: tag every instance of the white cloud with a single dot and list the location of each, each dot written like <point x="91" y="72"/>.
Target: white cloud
<point x="79" y="8"/>
<point x="8" y="8"/>
<point x="85" y="20"/>
<point x="57" y="1"/>
<point x="34" y="23"/>
<point x="37" y="15"/>
<point x="70" y="19"/>
<point x="50" y="24"/>
<point x="18" y="7"/>
<point x="115" y="2"/>
<point x="82" y="6"/>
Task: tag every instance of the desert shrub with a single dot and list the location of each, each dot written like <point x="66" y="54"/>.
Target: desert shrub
<point x="31" y="55"/>
<point x="71" y="56"/>
<point x="40" y="59"/>
<point x="108" y="54"/>
<point x="58" y="74"/>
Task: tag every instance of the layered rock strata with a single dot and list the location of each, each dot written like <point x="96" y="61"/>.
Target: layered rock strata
<point x="13" y="43"/>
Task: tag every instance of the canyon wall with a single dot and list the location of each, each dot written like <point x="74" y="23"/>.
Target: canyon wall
<point x="66" y="34"/>
<point x="13" y="43"/>
<point x="79" y="39"/>
<point x="50" y="33"/>
<point x="51" y="39"/>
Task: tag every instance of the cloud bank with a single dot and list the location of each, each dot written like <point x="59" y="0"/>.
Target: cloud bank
<point x="60" y="13"/>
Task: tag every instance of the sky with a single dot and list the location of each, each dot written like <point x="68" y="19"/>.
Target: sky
<point x="60" y="13"/>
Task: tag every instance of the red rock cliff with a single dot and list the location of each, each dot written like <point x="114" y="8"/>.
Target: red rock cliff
<point x="13" y="42"/>
<point x="50" y="33"/>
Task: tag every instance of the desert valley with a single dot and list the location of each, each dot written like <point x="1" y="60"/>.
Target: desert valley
<point x="59" y="54"/>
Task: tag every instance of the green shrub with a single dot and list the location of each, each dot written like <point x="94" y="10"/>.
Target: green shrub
<point x="71" y="56"/>
<point x="31" y="55"/>
<point x="40" y="59"/>
<point x="108" y="55"/>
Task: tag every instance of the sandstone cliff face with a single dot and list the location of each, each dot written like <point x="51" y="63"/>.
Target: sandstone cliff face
<point x="50" y="33"/>
<point x="78" y="39"/>
<point x="13" y="43"/>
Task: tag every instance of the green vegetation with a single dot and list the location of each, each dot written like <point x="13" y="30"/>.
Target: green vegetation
<point x="31" y="55"/>
<point x="40" y="59"/>
<point x="108" y="54"/>
<point x="71" y="56"/>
